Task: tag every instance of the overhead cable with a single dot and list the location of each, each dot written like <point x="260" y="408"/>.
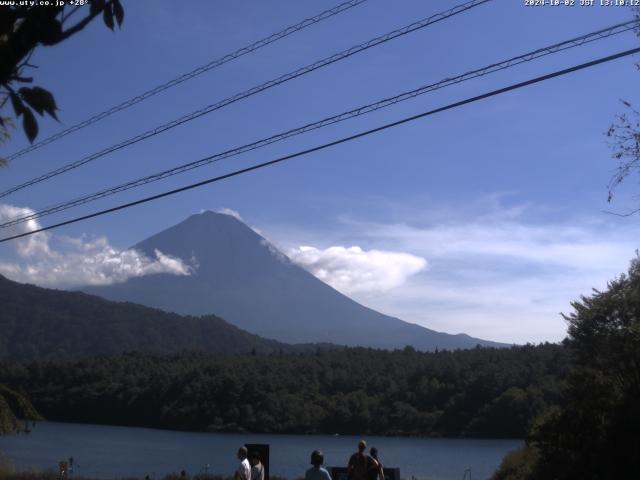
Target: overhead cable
<point x="189" y="75"/>
<point x="362" y="110"/>
<point x="331" y="144"/>
<point x="252" y="91"/>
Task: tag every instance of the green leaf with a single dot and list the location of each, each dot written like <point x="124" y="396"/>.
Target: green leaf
<point x="107" y="15"/>
<point x="40" y="100"/>
<point x="30" y="125"/>
<point x="17" y="104"/>
<point x="118" y="11"/>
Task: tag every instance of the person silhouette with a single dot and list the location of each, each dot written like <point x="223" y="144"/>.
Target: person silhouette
<point x="244" y="469"/>
<point x="360" y="463"/>
<point x="257" y="468"/>
<point x="376" y="472"/>
<point x="317" y="471"/>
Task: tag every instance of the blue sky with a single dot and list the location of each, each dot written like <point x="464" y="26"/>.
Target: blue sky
<point x="487" y="219"/>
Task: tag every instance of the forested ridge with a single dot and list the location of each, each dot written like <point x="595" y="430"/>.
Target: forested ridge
<point x="482" y="392"/>
<point x="41" y="322"/>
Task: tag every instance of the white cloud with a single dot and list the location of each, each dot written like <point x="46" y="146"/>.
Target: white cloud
<point x="36" y="244"/>
<point x="498" y="272"/>
<point x="500" y="275"/>
<point x="566" y="245"/>
<point x="79" y="261"/>
<point x="353" y="269"/>
<point x="230" y="212"/>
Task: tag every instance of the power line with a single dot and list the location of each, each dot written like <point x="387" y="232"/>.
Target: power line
<point x="362" y="110"/>
<point x="192" y="74"/>
<point x="252" y="91"/>
<point x="365" y="133"/>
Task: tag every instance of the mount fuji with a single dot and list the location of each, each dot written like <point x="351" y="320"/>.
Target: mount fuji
<point x="239" y="276"/>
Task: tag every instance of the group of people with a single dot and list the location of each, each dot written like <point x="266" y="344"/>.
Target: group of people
<point x="360" y="467"/>
<point x="250" y="468"/>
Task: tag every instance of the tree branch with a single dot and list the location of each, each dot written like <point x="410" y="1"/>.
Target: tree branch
<point x="82" y="23"/>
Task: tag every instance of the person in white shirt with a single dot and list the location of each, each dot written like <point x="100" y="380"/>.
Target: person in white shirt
<point x="244" y="469"/>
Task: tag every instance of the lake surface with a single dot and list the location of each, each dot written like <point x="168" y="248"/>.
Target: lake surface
<point x="106" y="452"/>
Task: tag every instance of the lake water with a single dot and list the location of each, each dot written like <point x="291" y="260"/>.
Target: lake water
<point x="106" y="452"/>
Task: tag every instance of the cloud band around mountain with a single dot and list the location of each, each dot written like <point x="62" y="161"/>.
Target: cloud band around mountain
<point x="78" y="261"/>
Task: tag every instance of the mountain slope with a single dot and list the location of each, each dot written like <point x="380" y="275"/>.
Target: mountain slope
<point x="245" y="280"/>
<point x="39" y="322"/>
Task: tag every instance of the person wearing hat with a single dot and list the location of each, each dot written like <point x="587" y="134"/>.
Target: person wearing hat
<point x="317" y="472"/>
<point x="360" y="463"/>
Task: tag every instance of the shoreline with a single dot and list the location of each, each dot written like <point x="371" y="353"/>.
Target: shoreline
<point x="272" y="434"/>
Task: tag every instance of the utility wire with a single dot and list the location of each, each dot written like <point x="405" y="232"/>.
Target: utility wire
<point x="365" y="133"/>
<point x="362" y="110"/>
<point x="252" y="91"/>
<point x="192" y="74"/>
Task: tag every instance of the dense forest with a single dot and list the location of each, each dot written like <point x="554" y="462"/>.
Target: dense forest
<point x="481" y="392"/>
<point x="40" y="322"/>
<point x="576" y="404"/>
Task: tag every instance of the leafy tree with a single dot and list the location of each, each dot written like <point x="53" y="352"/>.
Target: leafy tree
<point x="14" y="410"/>
<point x="24" y="28"/>
<point x="518" y="465"/>
<point x="595" y="433"/>
<point x="624" y="136"/>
